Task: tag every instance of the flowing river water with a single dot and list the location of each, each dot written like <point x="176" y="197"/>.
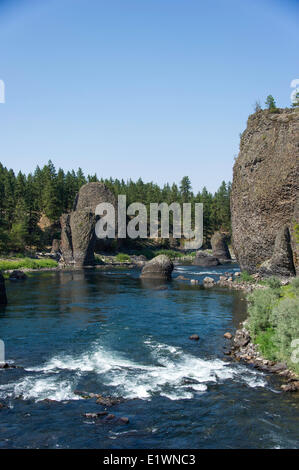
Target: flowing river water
<point x="107" y="332"/>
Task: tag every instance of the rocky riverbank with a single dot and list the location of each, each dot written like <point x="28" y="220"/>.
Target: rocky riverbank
<point x="243" y="349"/>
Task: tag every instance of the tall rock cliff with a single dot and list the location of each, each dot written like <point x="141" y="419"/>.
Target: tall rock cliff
<point x="265" y="194"/>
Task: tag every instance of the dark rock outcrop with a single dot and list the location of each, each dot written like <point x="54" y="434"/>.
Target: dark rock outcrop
<point x="294" y="232"/>
<point x="3" y="297"/>
<point x="78" y="239"/>
<point x="220" y="248"/>
<point x="17" y="276"/>
<point x="159" y="267"/>
<point x="281" y="263"/>
<point x="265" y="191"/>
<point x="205" y="260"/>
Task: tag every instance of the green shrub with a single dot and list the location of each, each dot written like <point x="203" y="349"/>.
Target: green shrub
<point x="122" y="257"/>
<point x="264" y="340"/>
<point x="147" y="252"/>
<point x="273" y="282"/>
<point x="295" y="284"/>
<point x="169" y="253"/>
<point x="274" y="321"/>
<point x="286" y="317"/>
<point x="245" y="277"/>
<point x="260" y="308"/>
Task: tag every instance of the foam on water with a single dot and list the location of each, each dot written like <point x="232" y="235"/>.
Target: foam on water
<point x="40" y="388"/>
<point x="190" y="270"/>
<point x="172" y="373"/>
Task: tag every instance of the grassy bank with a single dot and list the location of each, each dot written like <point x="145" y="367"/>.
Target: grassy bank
<point x="172" y="254"/>
<point x="147" y="252"/>
<point x="27" y="263"/>
<point x="274" y="321"/>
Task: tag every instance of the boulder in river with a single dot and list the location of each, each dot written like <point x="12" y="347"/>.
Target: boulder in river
<point x="124" y="420"/>
<point x="3" y="297"/>
<point x="228" y="335"/>
<point x="220" y="248"/>
<point x="209" y="281"/>
<point x="205" y="259"/>
<point x="194" y="337"/>
<point x="159" y="267"/>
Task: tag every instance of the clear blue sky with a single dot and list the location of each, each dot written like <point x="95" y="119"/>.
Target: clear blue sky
<point x="152" y="88"/>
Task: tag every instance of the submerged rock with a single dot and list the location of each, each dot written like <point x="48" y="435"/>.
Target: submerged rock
<point x="108" y="401"/>
<point x="3" y="297"/>
<point x="220" y="248"/>
<point x="205" y="259"/>
<point x="159" y="267"/>
<point x="124" y="420"/>
<point x="17" y="276"/>
<point x="100" y="399"/>
<point x="194" y="337"/>
<point x="96" y="415"/>
<point x="6" y="365"/>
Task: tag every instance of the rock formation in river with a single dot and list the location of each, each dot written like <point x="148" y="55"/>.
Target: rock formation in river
<point x="3" y="298"/>
<point x="265" y="193"/>
<point x="220" y="248"/>
<point x="78" y="237"/>
<point x="205" y="259"/>
<point x="159" y="267"/>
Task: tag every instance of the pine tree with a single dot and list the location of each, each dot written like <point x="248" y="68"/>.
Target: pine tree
<point x="270" y="102"/>
<point x="185" y="188"/>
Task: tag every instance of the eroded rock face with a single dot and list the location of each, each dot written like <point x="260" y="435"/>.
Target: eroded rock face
<point x="265" y="190"/>
<point x="3" y="298"/>
<point x="159" y="267"/>
<point x="55" y="246"/>
<point x="66" y="245"/>
<point x="92" y="194"/>
<point x="281" y="263"/>
<point x="78" y="237"/>
<point x="220" y="247"/>
<point x="205" y="260"/>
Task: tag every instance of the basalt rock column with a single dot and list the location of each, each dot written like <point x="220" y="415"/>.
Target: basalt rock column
<point x="78" y="237"/>
<point x="265" y="188"/>
<point x="220" y="248"/>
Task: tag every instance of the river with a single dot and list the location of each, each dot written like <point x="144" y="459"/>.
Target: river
<point x="107" y="332"/>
